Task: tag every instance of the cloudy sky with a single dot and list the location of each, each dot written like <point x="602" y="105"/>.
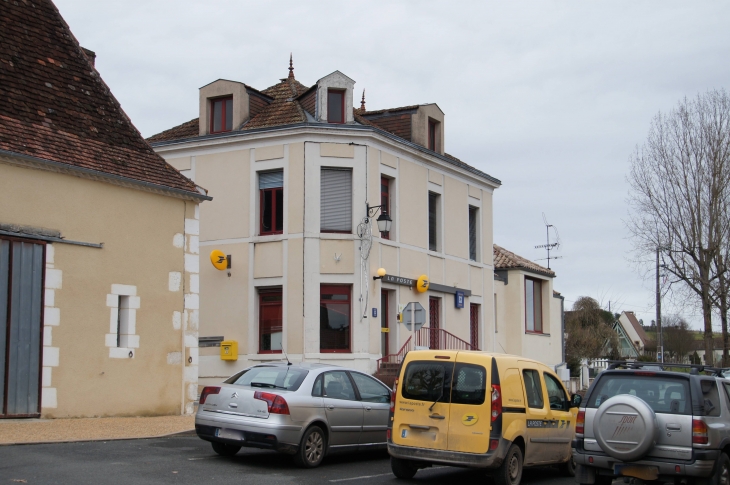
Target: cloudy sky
<point x="549" y="97"/>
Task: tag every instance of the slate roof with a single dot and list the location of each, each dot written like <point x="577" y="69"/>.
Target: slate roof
<point x="504" y="259"/>
<point x="54" y="105"/>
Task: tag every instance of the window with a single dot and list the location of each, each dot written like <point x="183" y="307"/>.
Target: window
<point x="434" y="202"/>
<point x="370" y="390"/>
<point x="428" y="381"/>
<point x="533" y="388"/>
<point x="385" y="201"/>
<point x="667" y="395"/>
<point x="556" y="394"/>
<point x="289" y="378"/>
<point x="474" y="325"/>
<point x="473" y="232"/>
<point x="334" y="318"/>
<point x="710" y="397"/>
<point x="338" y="386"/>
<point x="270" y="321"/>
<point x="335" y="106"/>
<point x="271" y="202"/>
<point x="336" y="200"/>
<point x="470" y="384"/>
<point x="123" y="322"/>
<point x="433" y="129"/>
<point x="533" y="305"/>
<point x="221" y="115"/>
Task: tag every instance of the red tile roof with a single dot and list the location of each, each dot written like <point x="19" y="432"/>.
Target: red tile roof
<point x="54" y="105"/>
<point x="188" y="129"/>
<point x="504" y="259"/>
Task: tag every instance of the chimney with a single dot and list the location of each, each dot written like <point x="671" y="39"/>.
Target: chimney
<point x="90" y="55"/>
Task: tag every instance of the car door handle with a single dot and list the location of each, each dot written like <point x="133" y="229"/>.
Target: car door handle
<point x="368" y="409"/>
<point x="674" y="427"/>
<point x="330" y="407"/>
<point x="437" y="416"/>
<point x="418" y="426"/>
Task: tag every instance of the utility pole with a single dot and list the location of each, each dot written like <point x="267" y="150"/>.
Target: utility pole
<point x="660" y="342"/>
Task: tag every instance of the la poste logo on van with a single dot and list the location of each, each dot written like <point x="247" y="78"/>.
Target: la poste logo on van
<point x="469" y="419"/>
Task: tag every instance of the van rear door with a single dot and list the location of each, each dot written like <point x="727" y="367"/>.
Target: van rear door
<point x="421" y="415"/>
<point x="470" y="414"/>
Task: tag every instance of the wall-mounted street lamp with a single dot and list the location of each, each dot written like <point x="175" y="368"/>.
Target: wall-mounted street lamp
<point x="384" y="221"/>
<point x="381" y="273"/>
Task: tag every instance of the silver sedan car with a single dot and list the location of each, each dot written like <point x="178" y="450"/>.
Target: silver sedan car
<point x="304" y="410"/>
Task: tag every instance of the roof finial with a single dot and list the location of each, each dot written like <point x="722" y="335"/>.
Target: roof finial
<point x="291" y="66"/>
<point x="362" y="103"/>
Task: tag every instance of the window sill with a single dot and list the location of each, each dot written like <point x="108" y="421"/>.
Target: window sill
<point x="269" y="352"/>
<point x="344" y="351"/>
<point x="337" y="235"/>
<point x="267" y="238"/>
<point x="538" y="334"/>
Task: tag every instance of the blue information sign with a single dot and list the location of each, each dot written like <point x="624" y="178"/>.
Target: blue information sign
<point x="375" y="312"/>
<point x="459" y="299"/>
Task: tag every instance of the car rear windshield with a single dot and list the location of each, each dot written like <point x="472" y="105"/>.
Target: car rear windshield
<point x="665" y="395"/>
<point x="288" y="378"/>
<point x="428" y="381"/>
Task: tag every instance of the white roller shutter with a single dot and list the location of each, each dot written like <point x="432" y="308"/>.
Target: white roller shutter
<point x="336" y="200"/>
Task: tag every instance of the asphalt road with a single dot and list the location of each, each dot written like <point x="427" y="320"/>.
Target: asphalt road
<point x="189" y="460"/>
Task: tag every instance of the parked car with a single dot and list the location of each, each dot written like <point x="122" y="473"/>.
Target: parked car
<point x="305" y="410"/>
<point x="474" y="409"/>
<point x="639" y="420"/>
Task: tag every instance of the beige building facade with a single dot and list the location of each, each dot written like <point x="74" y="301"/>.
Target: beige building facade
<point x="292" y="185"/>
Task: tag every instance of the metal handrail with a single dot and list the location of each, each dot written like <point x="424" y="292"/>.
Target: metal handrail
<point x="433" y="338"/>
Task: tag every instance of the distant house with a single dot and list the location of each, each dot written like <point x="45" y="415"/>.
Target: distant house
<point x="631" y="333"/>
<point x="98" y="240"/>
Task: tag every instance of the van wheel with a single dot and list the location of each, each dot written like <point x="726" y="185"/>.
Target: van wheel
<point x="225" y="450"/>
<point x="568" y="468"/>
<point x="510" y="471"/>
<point x="312" y="448"/>
<point x="402" y="468"/>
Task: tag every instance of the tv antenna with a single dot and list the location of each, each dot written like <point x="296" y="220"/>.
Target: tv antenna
<point x="554" y="245"/>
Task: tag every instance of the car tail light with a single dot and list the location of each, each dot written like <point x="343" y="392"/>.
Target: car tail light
<point x="699" y="432"/>
<point x="274" y="402"/>
<point x="493" y="444"/>
<point x="580" y="422"/>
<point x="496" y="401"/>
<point x="207" y="391"/>
<point x="392" y="396"/>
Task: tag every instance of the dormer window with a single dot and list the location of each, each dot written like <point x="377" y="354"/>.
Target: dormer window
<point x="335" y="105"/>
<point x="433" y="129"/>
<point x="221" y="114"/>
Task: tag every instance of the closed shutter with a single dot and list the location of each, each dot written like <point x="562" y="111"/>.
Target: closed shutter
<point x="336" y="200"/>
<point x="271" y="180"/>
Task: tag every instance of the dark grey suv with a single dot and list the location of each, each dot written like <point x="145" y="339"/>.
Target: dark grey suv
<point x="642" y="421"/>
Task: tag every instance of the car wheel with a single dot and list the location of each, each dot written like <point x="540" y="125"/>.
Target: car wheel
<point x="510" y="471"/>
<point x="568" y="468"/>
<point x="312" y="448"/>
<point x="225" y="450"/>
<point x="402" y="468"/>
<point x="722" y="474"/>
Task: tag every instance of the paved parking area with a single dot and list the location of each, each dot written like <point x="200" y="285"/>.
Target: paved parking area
<point x="189" y="460"/>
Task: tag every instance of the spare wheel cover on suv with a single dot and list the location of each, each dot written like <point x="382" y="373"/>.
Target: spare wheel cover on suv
<point x="625" y="427"/>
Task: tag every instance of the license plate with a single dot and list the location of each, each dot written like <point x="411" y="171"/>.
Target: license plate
<point x="637" y="471"/>
<point x="229" y="434"/>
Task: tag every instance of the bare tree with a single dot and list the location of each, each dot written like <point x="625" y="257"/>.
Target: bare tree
<point x="677" y="338"/>
<point x="680" y="181"/>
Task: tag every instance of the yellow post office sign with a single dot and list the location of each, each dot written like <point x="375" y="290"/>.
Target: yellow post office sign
<point x="422" y="283"/>
<point x="219" y="259"/>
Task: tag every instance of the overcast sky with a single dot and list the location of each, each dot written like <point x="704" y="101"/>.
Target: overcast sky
<point x="549" y="97"/>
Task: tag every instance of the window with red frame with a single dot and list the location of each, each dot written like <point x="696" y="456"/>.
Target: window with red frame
<point x="335" y="106"/>
<point x="533" y="305"/>
<point x="221" y="115"/>
<point x="334" y="318"/>
<point x="385" y="201"/>
<point x="271" y="202"/>
<point x="432" y="134"/>
<point x="270" y="321"/>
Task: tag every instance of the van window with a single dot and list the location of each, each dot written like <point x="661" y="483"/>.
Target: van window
<point x="556" y="394"/>
<point x="710" y="397"/>
<point x="667" y="395"/>
<point x="428" y="381"/>
<point x="470" y="384"/>
<point x="533" y="388"/>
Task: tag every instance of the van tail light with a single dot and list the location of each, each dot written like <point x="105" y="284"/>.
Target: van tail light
<point x="388" y="434"/>
<point x="274" y="402"/>
<point x="699" y="432"/>
<point x="496" y="401"/>
<point x="207" y="391"/>
<point x="392" y="396"/>
<point x="580" y="422"/>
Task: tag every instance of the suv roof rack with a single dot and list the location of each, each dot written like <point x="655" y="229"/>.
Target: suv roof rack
<point x="694" y="368"/>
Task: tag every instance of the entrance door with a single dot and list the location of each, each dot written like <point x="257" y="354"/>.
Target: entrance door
<point x="21" y="305"/>
<point x="434" y="323"/>
<point x="474" y="325"/>
<point x="384" y="328"/>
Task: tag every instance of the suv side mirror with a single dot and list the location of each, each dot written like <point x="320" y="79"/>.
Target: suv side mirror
<point x="575" y="400"/>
